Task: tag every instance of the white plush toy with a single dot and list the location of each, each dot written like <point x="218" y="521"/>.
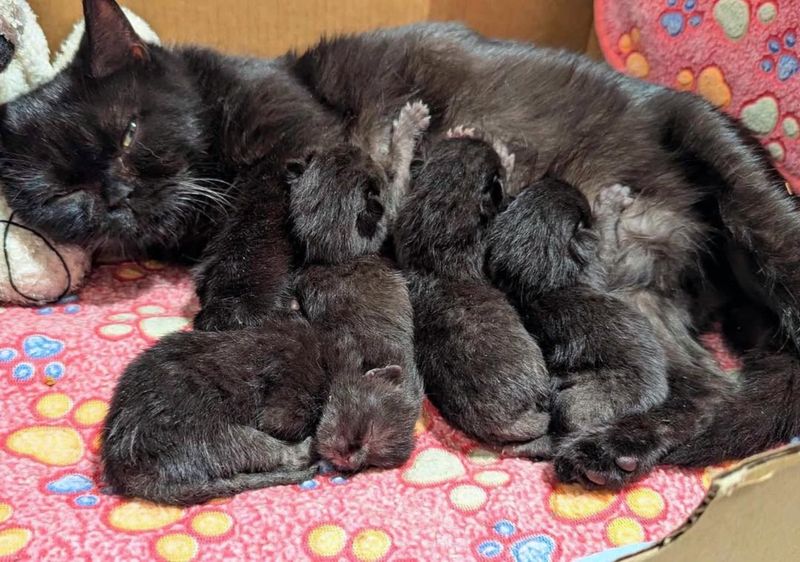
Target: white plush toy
<point x="40" y="270"/>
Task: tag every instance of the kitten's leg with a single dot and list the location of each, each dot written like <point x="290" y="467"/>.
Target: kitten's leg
<point x="413" y="120"/>
<point x="615" y="454"/>
<point x="607" y="210"/>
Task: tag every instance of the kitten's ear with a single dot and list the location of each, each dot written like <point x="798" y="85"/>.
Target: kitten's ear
<point x="110" y="41"/>
<point x="391" y="373"/>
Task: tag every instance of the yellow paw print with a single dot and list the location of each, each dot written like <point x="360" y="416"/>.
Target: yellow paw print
<point x="12" y="539"/>
<point x="572" y="502"/>
<point x="152" y="321"/>
<point x="136" y="271"/>
<point x="329" y="540"/>
<point x="136" y="516"/>
<point x="57" y="445"/>
<point x="636" y="63"/>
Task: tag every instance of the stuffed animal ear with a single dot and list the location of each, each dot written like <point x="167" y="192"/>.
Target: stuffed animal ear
<point x="110" y="41"/>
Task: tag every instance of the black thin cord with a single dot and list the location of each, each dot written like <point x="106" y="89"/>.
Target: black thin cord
<point x="9" y="223"/>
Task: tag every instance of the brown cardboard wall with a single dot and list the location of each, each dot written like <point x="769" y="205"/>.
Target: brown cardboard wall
<point x="270" y="27"/>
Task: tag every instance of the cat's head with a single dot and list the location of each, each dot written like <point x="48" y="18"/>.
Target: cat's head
<point x="543" y="241"/>
<point x="338" y="204"/>
<point x="457" y="191"/>
<point x="106" y="151"/>
<point x="369" y="420"/>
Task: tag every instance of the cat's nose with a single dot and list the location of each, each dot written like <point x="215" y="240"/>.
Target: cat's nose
<point x="117" y="193"/>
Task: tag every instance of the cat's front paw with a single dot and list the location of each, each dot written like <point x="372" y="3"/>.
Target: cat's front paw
<point x="611" y="201"/>
<point x="606" y="457"/>
<point x="462" y="132"/>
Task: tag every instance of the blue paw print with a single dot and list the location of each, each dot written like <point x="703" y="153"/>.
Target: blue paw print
<point x="535" y="548"/>
<point x="68" y="303"/>
<point x="41" y="347"/>
<point x="7" y="354"/>
<point x="674" y="21"/>
<point x="23" y="371"/>
<point x="88" y="500"/>
<point x="70" y="484"/>
<point x="782" y="58"/>
<point x="538" y="548"/>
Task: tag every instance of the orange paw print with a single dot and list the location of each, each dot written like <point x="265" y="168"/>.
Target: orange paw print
<point x="635" y="62"/>
<point x="574" y="503"/>
<point x="151" y="321"/>
<point x="136" y="271"/>
<point x="710" y="83"/>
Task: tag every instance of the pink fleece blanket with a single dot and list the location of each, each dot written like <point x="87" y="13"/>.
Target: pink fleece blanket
<point x="452" y="501"/>
<point x="742" y="55"/>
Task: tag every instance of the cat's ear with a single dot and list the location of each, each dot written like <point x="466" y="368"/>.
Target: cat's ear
<point x="110" y="43"/>
<point x="391" y="373"/>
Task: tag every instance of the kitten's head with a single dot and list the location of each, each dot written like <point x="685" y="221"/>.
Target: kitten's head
<point x="105" y="152"/>
<point x="456" y="193"/>
<point x="369" y="420"/>
<point x="338" y="199"/>
<point x="543" y="241"/>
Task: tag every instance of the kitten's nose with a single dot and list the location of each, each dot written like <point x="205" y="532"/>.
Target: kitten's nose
<point x="117" y="193"/>
<point x="348" y="462"/>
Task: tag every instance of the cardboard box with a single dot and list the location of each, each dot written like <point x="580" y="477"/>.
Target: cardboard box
<point x="270" y="27"/>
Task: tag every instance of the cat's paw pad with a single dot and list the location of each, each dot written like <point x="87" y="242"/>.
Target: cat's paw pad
<point x="613" y="199"/>
<point x="462" y="132"/>
<point x="606" y="458"/>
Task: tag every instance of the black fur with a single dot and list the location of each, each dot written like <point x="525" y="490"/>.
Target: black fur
<point x="701" y="184"/>
<point x="603" y="355"/>
<point x="480" y="367"/>
<point x="204" y="414"/>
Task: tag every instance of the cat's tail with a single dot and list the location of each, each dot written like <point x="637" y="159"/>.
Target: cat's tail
<point x="765" y="411"/>
<point x="751" y="202"/>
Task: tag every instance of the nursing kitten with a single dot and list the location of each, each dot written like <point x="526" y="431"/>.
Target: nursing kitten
<point x="207" y="414"/>
<point x="603" y="355"/>
<point x="340" y="209"/>
<point x="138" y="149"/>
<point x="480" y="366"/>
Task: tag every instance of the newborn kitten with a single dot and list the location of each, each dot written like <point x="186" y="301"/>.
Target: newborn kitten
<point x="185" y="426"/>
<point x="480" y="366"/>
<point x="341" y="204"/>
<point x="603" y="354"/>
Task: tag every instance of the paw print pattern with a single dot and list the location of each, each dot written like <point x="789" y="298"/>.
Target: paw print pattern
<point x="330" y="539"/>
<point x="34" y="354"/>
<point x="12" y="539"/>
<point x="572" y="502"/>
<point x="506" y="539"/>
<point x="680" y="13"/>
<point x="636" y="63"/>
<point x="782" y="58"/>
<point x="65" y="305"/>
<point x="151" y="321"/>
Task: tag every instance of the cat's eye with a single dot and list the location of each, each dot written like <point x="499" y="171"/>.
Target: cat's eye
<point x="130" y="134"/>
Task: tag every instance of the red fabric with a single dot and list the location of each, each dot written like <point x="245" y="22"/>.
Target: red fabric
<point x="742" y="55"/>
<point x="451" y="502"/>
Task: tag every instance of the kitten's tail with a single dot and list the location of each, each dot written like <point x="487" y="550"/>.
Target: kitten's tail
<point x="757" y="214"/>
<point x="193" y="494"/>
<point x="764" y="412"/>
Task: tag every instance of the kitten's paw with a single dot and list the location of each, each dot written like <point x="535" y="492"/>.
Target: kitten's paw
<point x="613" y="200"/>
<point x="606" y="458"/>
<point x="301" y="455"/>
<point x="390" y="372"/>
<point x="462" y="132"/>
<point x="416" y="116"/>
